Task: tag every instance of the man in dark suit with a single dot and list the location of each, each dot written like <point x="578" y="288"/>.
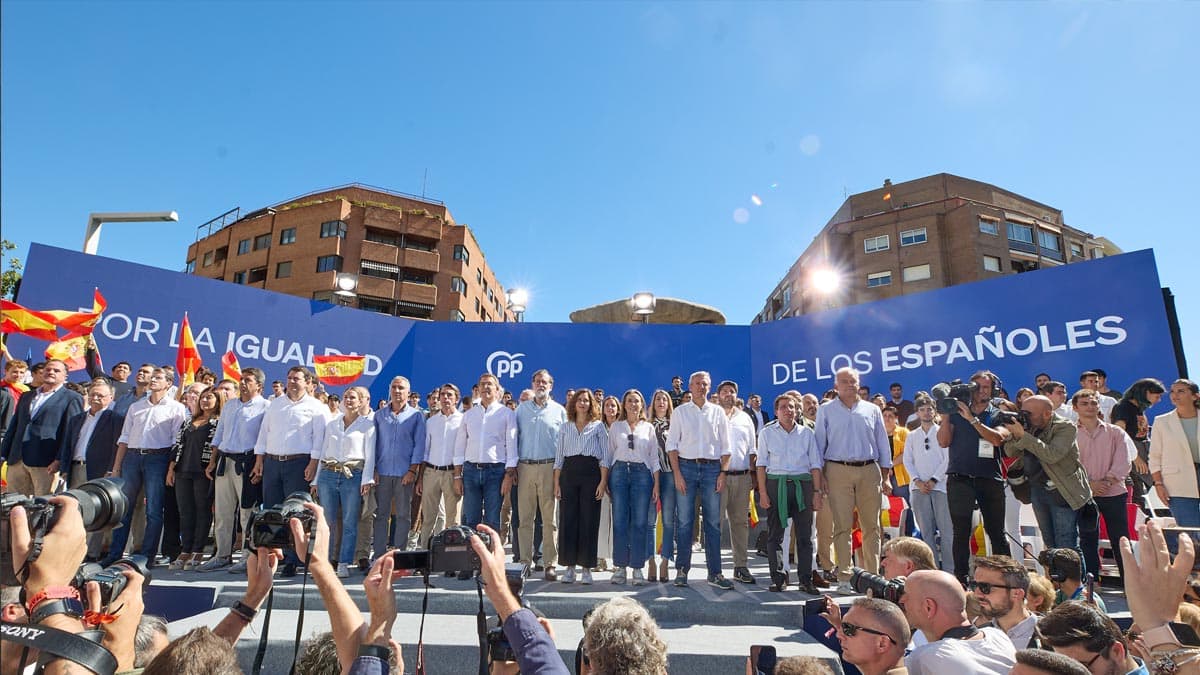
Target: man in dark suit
<point x="755" y="410"/>
<point x="38" y="431"/>
<point x="90" y="447"/>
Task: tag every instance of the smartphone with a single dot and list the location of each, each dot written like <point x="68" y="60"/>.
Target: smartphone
<point x="814" y="607"/>
<point x="763" y="657"/>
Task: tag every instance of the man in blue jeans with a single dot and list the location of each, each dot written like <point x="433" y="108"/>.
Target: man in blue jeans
<point x="698" y="445"/>
<point x="143" y="453"/>
<point x="485" y="455"/>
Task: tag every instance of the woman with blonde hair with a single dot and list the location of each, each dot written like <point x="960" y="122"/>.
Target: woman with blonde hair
<point x="659" y="417"/>
<point x="632" y="461"/>
<point x="346" y="472"/>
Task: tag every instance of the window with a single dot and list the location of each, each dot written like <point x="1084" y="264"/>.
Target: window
<point x="875" y="244"/>
<point x="456" y="315"/>
<point x="243" y="247"/>
<point x="323" y="296"/>
<point x="916" y="273"/>
<point x="191" y="266"/>
<point x="381" y="305"/>
<point x="461" y="253"/>
<point x="1076" y="250"/>
<point x="476" y="305"/>
<point x="491" y="297"/>
<point x="283" y="270"/>
<point x="257" y="275"/>
<point x="484" y="317"/>
<point x="221" y="254"/>
<point x="1049" y="241"/>
<point x="418" y="277"/>
<point x="370" y="268"/>
<point x="287" y="236"/>
<point x="262" y="241"/>
<point x="239" y="277"/>
<point x="333" y="228"/>
<point x="329" y="263"/>
<point x="479" y="277"/>
<point x="787" y="297"/>
<point x="1097" y="253"/>
<point x="415" y="310"/>
<point x="991" y="263"/>
<point x="208" y="259"/>
<point x="1019" y="232"/>
<point x="988" y="226"/>
<point x="419" y="244"/>
<point x="879" y="279"/>
<point x="458" y="285"/>
<point x="382" y="237"/>
<point x="910" y="237"/>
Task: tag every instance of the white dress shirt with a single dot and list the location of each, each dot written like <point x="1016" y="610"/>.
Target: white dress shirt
<point x="699" y="432"/>
<point x="292" y="427"/>
<point x="346" y="444"/>
<point x="153" y="425"/>
<point x="85" y="433"/>
<point x="40" y="397"/>
<point x="441" y="434"/>
<point x="788" y="452"/>
<point x="1107" y="403"/>
<point x="742" y="441"/>
<point x="924" y="458"/>
<point x="644" y="441"/>
<point x="487" y="435"/>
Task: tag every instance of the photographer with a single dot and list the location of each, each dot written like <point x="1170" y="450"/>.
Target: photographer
<point x="934" y="603"/>
<point x="1064" y="566"/>
<point x="1062" y="498"/>
<point x="973" y="471"/>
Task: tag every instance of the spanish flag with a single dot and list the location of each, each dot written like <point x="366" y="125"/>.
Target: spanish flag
<point x="893" y="514"/>
<point x="81" y="323"/>
<point x="230" y="367"/>
<point x="337" y="369"/>
<point x="17" y="319"/>
<point x="978" y="541"/>
<point x="70" y="352"/>
<point x="187" y="360"/>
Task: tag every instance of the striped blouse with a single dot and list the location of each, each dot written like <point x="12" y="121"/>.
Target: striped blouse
<point x="591" y="442"/>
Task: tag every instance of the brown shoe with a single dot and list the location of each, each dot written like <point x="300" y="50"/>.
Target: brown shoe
<point x="551" y="575"/>
<point x="818" y="580"/>
<point x="651" y="571"/>
<point x="664" y="570"/>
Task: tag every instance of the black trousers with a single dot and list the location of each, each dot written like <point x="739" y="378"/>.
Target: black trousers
<point x="579" y="512"/>
<point x="1116" y="519"/>
<point x="193" y="493"/>
<point x="171" y="545"/>
<point x="803" y="522"/>
<point x="962" y="494"/>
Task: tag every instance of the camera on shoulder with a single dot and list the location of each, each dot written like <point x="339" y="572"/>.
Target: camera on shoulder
<point x="946" y="395"/>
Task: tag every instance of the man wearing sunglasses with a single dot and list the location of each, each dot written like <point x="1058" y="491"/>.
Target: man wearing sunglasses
<point x="935" y="604"/>
<point x="873" y="635"/>
<point x="1000" y="584"/>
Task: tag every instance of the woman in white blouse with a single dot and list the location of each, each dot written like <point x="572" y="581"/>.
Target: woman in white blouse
<point x="579" y="484"/>
<point x="347" y="471"/>
<point x="632" y="461"/>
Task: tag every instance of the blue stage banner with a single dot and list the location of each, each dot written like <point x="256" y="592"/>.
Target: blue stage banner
<point x="1105" y="313"/>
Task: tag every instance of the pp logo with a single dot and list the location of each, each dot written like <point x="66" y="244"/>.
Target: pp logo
<point x="503" y="364"/>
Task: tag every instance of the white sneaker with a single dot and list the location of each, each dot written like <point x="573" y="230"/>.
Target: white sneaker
<point x="845" y="588"/>
<point x="239" y="567"/>
<point x="214" y="563"/>
<point x="343" y="571"/>
<point x="618" y="576"/>
<point x="587" y="577"/>
<point x="638" y="578"/>
<point x="569" y="576"/>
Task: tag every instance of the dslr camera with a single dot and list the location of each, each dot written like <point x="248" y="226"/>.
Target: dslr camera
<point x="110" y="579"/>
<point x="449" y="551"/>
<point x="101" y="503"/>
<point x="269" y="527"/>
<point x="947" y="395"/>
<point x="1020" y="417"/>
<point x="887" y="589"/>
<point x="499" y="650"/>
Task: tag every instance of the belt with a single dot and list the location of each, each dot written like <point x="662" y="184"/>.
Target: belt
<point x="838" y="461"/>
<point x="536" y="461"/>
<point x="737" y="473"/>
<point x="150" y="451"/>
<point x="439" y="468"/>
<point x="487" y="465"/>
<point x="238" y="454"/>
<point x="346" y="469"/>
<point x="77" y="462"/>
<point x="286" y="458"/>
<point x="700" y="461"/>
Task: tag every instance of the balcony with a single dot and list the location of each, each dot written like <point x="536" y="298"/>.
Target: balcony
<point x="381" y="252"/>
<point x="419" y="293"/>
<point x="426" y="261"/>
<point x="376" y="286"/>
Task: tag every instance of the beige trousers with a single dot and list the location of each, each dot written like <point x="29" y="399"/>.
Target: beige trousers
<point x="850" y="488"/>
<point x="735" y="504"/>
<point x="437" y="495"/>
<point x="535" y="492"/>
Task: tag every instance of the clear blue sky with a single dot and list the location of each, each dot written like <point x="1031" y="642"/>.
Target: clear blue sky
<point x="601" y="149"/>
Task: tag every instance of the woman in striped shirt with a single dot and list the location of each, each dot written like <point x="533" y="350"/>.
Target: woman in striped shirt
<point x="579" y="484"/>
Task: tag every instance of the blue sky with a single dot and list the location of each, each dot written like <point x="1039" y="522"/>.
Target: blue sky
<point x="600" y="149"/>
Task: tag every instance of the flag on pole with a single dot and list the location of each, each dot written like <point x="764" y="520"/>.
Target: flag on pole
<point x="338" y="369"/>
<point x="17" y="319"/>
<point x="81" y="323"/>
<point x="69" y="352"/>
<point x="230" y="367"/>
<point x="187" y="360"/>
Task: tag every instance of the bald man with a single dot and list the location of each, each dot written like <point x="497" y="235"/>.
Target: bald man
<point x="1060" y="492"/>
<point x="935" y="604"/>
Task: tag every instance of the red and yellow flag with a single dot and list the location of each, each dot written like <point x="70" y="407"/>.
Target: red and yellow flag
<point x="230" y="367"/>
<point x="17" y="319"/>
<point x="338" y="369"/>
<point x="187" y="360"/>
<point x="69" y="351"/>
<point x="81" y="323"/>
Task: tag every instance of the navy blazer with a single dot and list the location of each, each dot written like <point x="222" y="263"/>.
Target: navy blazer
<point x="37" y="440"/>
<point x="101" y="448"/>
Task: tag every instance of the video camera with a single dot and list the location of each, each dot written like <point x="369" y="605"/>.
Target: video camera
<point x="886" y="589"/>
<point x="947" y="395"/>
<point x="101" y="503"/>
<point x="449" y="551"/>
<point x="269" y="526"/>
<point x="1020" y="417"/>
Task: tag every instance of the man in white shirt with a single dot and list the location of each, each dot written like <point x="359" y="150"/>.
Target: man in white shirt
<point x="935" y="604"/>
<point x="230" y="466"/>
<point x="440" y="482"/>
<point x="698" y="444"/>
<point x="485" y="455"/>
<point x="925" y="459"/>
<point x="143" y="454"/>
<point x="293" y="427"/>
<point x="1090" y="379"/>
<point x="740" y="476"/>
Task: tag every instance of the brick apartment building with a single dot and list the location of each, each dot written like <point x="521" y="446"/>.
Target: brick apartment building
<point x="411" y="258"/>
<point x="923" y="234"/>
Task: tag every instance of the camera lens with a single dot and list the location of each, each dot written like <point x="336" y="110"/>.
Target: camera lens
<point x="102" y="503"/>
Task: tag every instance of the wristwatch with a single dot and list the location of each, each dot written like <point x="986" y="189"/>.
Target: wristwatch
<point x="246" y="612"/>
<point x="72" y="607"/>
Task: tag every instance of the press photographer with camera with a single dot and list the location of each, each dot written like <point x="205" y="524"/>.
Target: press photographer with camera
<point x="973" y="469"/>
<point x="1061" y="495"/>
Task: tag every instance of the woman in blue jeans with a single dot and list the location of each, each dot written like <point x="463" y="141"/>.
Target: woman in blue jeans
<point x="660" y="418"/>
<point x="346" y="472"/>
<point x="632" y="461"/>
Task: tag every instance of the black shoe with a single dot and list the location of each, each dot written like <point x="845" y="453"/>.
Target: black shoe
<point x="364" y="564"/>
<point x="450" y="573"/>
<point x="808" y="587"/>
<point x="464" y="575"/>
<point x="778" y="584"/>
<point x="287" y="570"/>
<point x="743" y="575"/>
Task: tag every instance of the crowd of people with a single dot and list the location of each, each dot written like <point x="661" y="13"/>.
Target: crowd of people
<point x="634" y="484"/>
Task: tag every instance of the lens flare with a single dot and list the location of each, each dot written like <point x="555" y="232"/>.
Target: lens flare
<point x="756" y="200"/>
<point x="741" y="216"/>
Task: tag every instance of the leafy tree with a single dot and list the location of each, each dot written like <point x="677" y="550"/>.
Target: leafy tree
<point x="11" y="276"/>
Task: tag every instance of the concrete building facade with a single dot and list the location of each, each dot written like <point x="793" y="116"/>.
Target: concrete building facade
<point x="410" y="257"/>
<point x="924" y="234"/>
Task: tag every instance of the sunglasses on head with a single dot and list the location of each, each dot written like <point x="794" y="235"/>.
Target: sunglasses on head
<point x="851" y="629"/>
<point x="985" y="587"/>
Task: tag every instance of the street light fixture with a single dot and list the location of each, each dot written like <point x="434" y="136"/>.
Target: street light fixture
<point x="518" y="302"/>
<point x="91" y="237"/>
<point x="345" y="283"/>
<point x="642" y="304"/>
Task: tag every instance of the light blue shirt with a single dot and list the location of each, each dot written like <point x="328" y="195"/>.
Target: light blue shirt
<point x="238" y="426"/>
<point x="852" y="434"/>
<point x="591" y="442"/>
<point x="788" y="452"/>
<point x="399" y="440"/>
<point x="537" y="429"/>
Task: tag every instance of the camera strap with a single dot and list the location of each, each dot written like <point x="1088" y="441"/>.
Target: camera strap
<point x="262" y="639"/>
<point x="300" y="619"/>
<point x="960" y="633"/>
<point x="58" y="644"/>
<point x="421" y="629"/>
<point x="481" y="627"/>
